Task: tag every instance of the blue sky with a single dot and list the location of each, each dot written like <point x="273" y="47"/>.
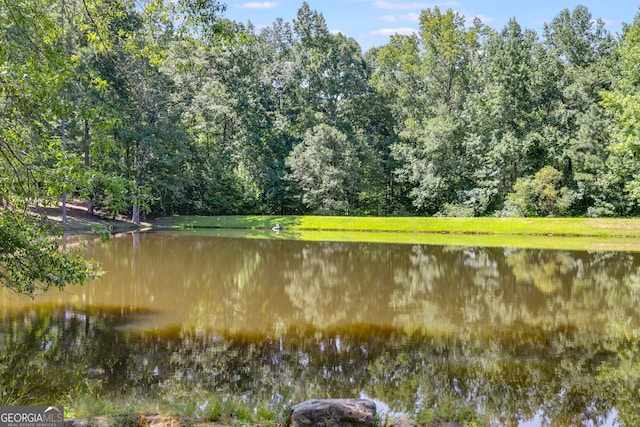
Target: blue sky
<point x="371" y="22"/>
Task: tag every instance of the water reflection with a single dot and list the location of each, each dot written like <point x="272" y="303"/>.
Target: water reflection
<point x="515" y="333"/>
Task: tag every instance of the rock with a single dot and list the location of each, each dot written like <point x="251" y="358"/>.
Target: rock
<point x="334" y="413"/>
<point x="405" y="422"/>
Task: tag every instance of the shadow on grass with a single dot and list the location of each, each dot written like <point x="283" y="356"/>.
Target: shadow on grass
<point x="271" y="221"/>
<point x="257" y="222"/>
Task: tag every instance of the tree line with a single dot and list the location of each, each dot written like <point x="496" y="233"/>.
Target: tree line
<point x="155" y="107"/>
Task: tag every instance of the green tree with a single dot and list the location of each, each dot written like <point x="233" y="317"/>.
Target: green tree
<point x="276" y="91"/>
<point x="582" y="48"/>
<point x="578" y="39"/>
<point x="430" y="154"/>
<point x="217" y="175"/>
<point x="427" y="78"/>
<point x="37" y="70"/>
<point x="327" y="167"/>
<point x="308" y="77"/>
<point x="513" y="91"/>
<point x="148" y="145"/>
<point x="541" y="195"/>
<point x="621" y="180"/>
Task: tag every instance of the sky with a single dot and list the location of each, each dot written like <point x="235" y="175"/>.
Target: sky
<point x="371" y="22"/>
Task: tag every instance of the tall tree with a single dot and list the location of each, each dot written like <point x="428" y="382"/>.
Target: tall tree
<point x="430" y="75"/>
<point x="620" y="181"/>
<point x="583" y="49"/>
<point x="328" y="168"/>
<point x="506" y="111"/>
<point x="36" y="70"/>
<point x="209" y="88"/>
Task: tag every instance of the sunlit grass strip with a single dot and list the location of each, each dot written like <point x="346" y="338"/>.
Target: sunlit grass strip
<point x="597" y="227"/>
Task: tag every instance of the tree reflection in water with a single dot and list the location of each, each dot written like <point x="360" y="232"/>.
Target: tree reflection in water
<point x="511" y="333"/>
<point x="511" y="376"/>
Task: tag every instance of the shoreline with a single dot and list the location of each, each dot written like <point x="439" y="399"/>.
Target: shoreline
<point x="541" y="233"/>
<point x="483" y="226"/>
<point x="79" y="221"/>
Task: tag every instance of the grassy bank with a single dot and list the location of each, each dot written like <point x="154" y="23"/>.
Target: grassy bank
<point x="204" y="411"/>
<point x="216" y="410"/>
<point x="586" y="227"/>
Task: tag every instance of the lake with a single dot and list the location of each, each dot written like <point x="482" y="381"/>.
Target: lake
<point x="523" y="336"/>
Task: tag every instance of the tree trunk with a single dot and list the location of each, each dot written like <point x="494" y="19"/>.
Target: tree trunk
<point x="135" y="217"/>
<point x="64" y="207"/>
<point x="87" y="162"/>
<point x="63" y="140"/>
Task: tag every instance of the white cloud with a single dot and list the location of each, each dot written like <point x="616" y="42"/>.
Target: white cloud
<point x="483" y="18"/>
<point x="259" y="5"/>
<point x="387" y="32"/>
<point x="384" y="4"/>
<point x="409" y="17"/>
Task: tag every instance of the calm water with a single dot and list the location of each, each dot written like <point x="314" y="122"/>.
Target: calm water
<point x="525" y="336"/>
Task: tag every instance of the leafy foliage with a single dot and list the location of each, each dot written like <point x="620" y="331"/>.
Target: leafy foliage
<point x="30" y="258"/>
<point x="327" y="169"/>
<point x="623" y="103"/>
<point x="541" y="195"/>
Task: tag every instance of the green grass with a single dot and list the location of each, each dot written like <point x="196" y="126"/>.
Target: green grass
<point x="213" y="409"/>
<point x="542" y="233"/>
<point x="594" y="227"/>
<point x="199" y="410"/>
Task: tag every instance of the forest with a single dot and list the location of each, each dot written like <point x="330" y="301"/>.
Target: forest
<point x="166" y="107"/>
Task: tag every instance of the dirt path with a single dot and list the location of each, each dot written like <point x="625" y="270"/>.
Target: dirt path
<point x="79" y="221"/>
